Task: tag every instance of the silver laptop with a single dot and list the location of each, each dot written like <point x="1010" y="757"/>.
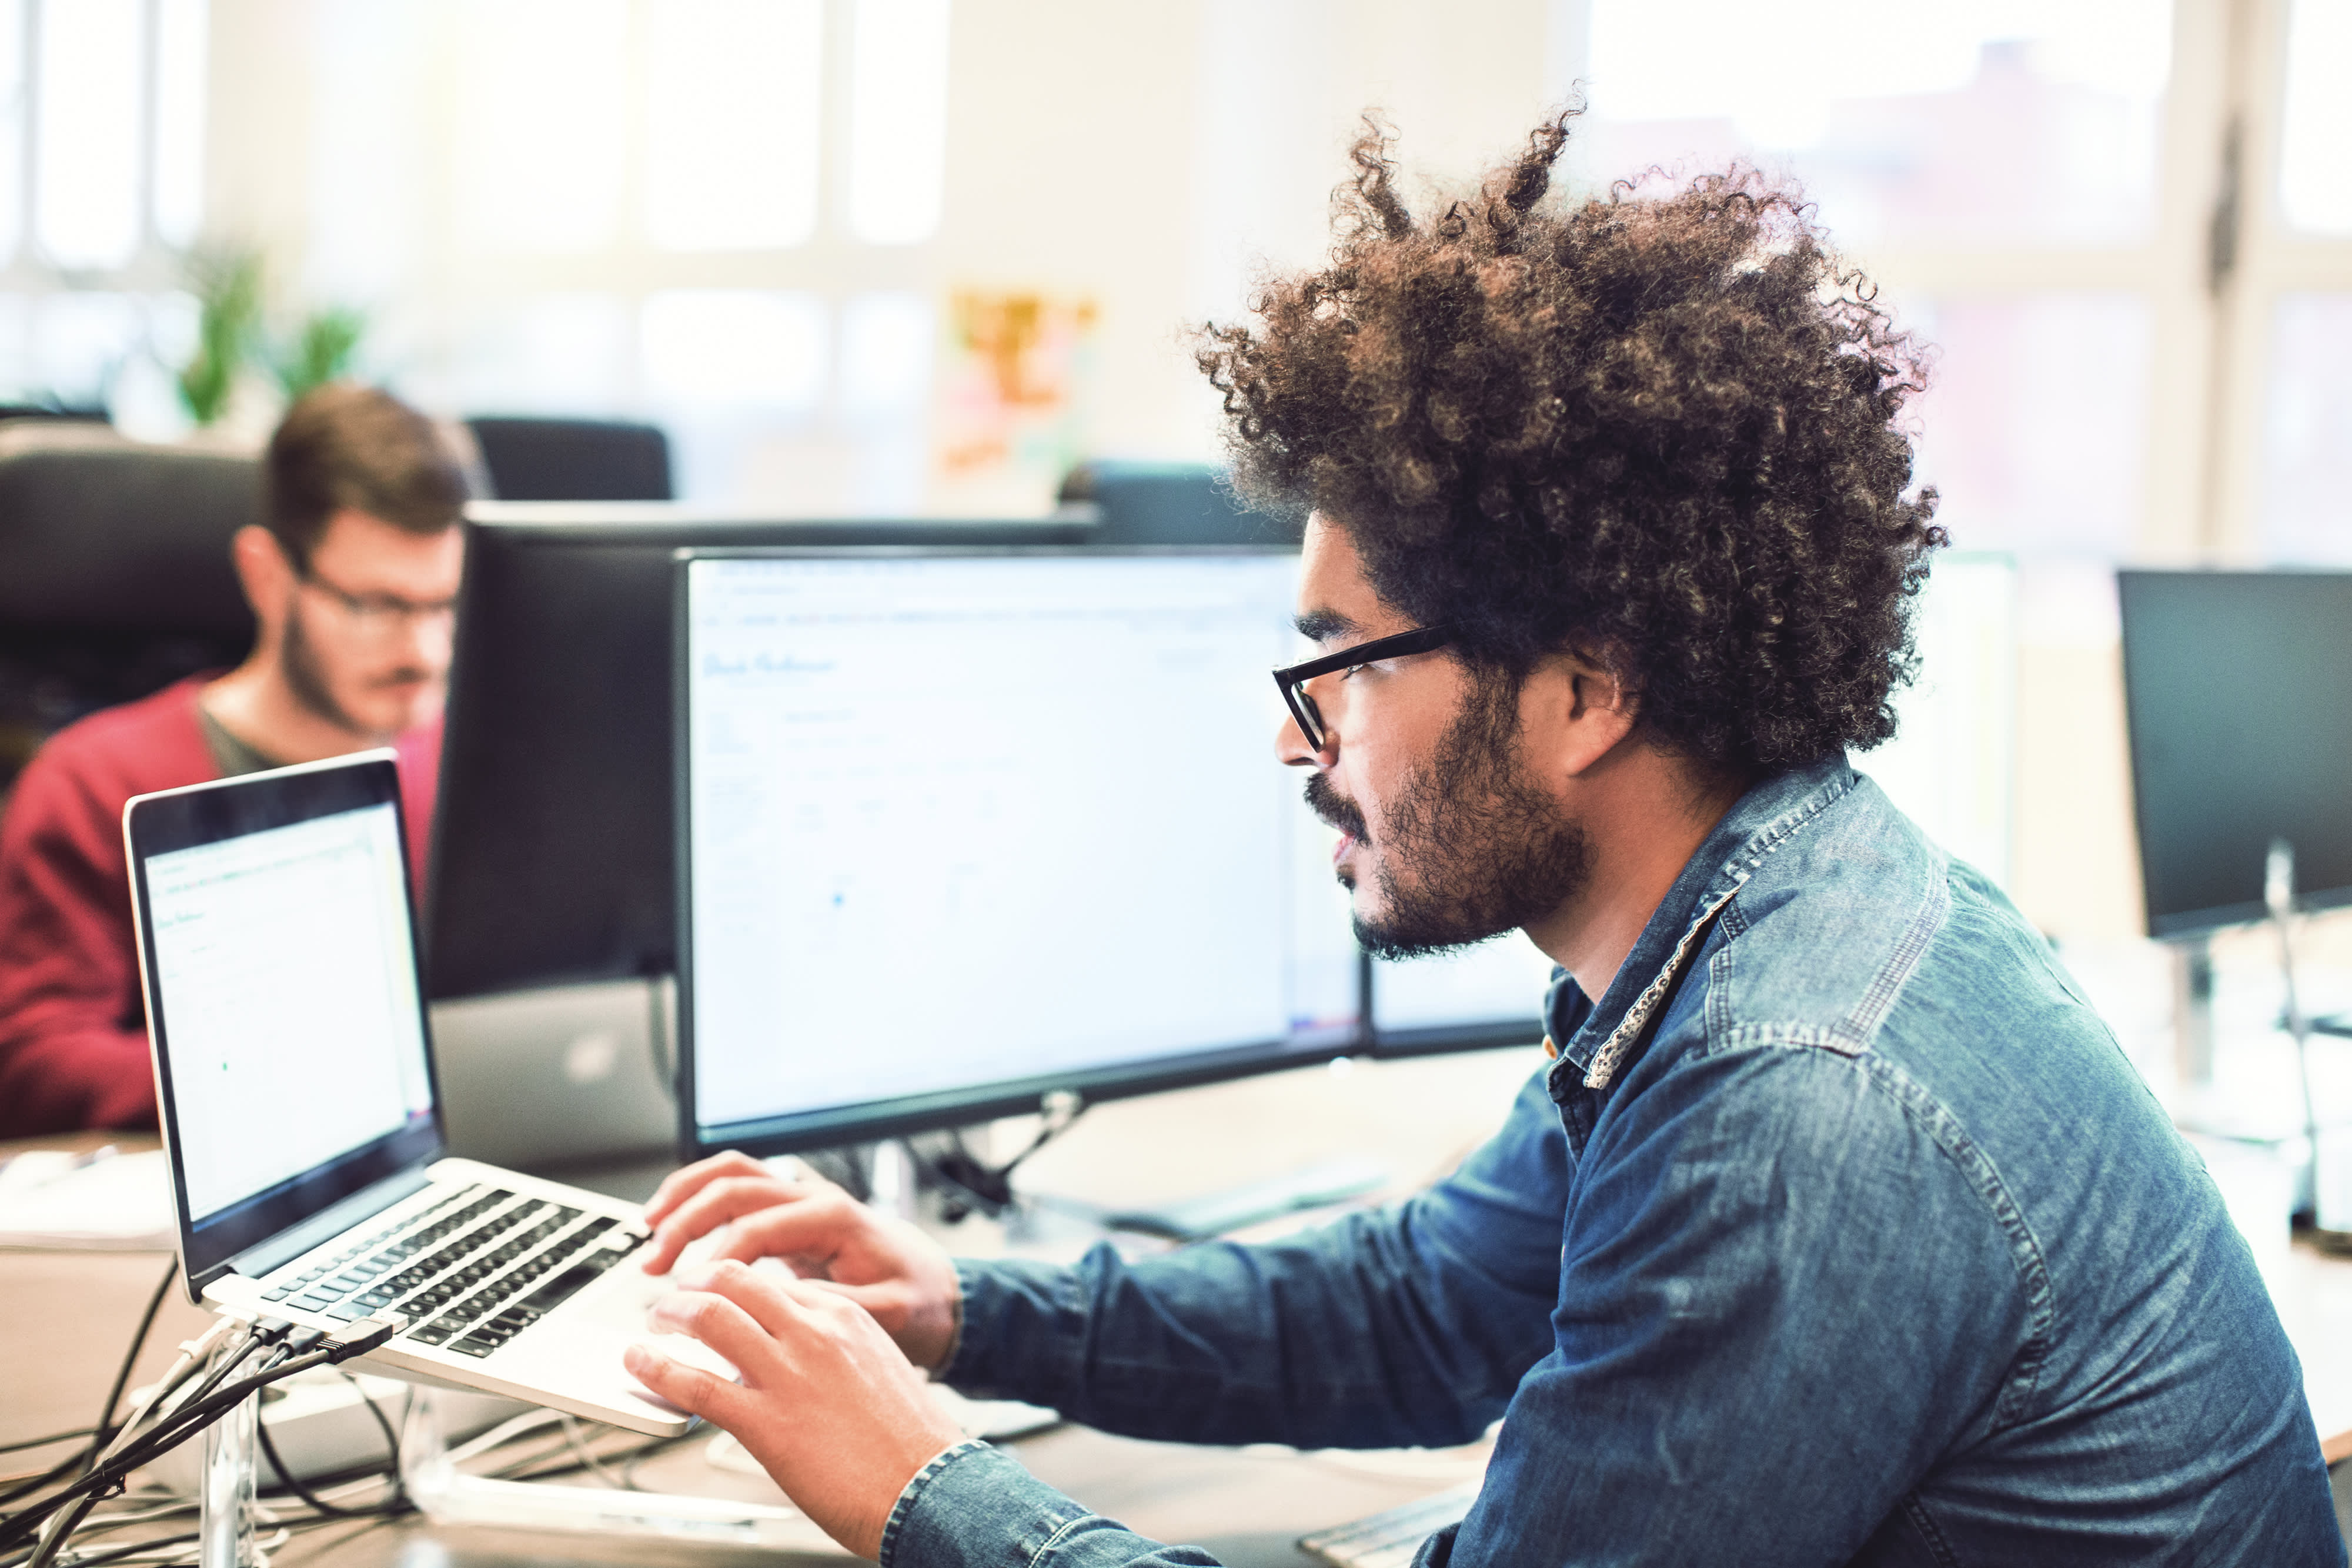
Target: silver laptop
<point x="294" y="1074"/>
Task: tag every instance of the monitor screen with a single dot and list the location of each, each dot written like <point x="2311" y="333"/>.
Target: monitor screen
<point x="1466" y="999"/>
<point x="962" y="828"/>
<point x="552" y="837"/>
<point x="2238" y="689"/>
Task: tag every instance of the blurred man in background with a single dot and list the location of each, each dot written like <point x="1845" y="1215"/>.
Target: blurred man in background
<point x="352" y="575"/>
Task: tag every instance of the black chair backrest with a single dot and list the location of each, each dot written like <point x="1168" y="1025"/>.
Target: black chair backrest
<point x="99" y="534"/>
<point x="114" y="572"/>
<point x="574" y="459"/>
<point x="1170" y="504"/>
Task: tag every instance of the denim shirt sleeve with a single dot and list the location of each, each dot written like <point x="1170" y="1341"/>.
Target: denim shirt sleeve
<point x="1408" y="1325"/>
<point x="975" y="1507"/>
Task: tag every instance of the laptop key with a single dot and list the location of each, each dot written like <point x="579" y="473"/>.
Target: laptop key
<point x="482" y="1302"/>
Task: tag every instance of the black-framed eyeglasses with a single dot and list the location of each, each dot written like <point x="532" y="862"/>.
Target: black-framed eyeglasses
<point x="1293" y="680"/>
<point x="379" y="615"/>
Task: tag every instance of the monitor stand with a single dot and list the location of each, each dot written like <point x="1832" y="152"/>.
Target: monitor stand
<point x="447" y="1495"/>
<point x="1228" y="1209"/>
<point x="958" y="1181"/>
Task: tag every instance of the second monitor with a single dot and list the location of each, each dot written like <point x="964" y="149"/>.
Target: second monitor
<point x="960" y="829"/>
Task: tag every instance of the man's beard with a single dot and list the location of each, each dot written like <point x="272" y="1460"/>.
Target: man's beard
<point x="1486" y="850"/>
<point x="307" y="679"/>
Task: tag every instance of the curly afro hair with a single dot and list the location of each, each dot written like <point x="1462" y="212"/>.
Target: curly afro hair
<point x="1660" y="429"/>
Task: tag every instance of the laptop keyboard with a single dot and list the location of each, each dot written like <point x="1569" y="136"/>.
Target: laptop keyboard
<point x="460" y="1277"/>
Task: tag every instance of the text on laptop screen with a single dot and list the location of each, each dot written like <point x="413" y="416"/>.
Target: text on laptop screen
<point x="970" y="821"/>
<point x="284" y="960"/>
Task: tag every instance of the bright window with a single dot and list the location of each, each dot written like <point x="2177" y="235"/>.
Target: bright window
<point x="2315" y="130"/>
<point x="541" y="125"/>
<point x="181" y="55"/>
<point x="734" y="106"/>
<point x="1960" y="124"/>
<point x="2031" y="429"/>
<point x="2307" y="510"/>
<point x="85" y="137"/>
<point x="735" y="348"/>
<point x="897" y="120"/>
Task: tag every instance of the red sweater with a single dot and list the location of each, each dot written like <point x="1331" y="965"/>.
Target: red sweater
<point x="73" y="1026"/>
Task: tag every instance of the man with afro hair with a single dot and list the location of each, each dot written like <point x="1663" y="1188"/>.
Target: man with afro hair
<point x="1838" y="1230"/>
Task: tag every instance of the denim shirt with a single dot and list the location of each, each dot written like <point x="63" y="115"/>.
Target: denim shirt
<point x="1841" y="1231"/>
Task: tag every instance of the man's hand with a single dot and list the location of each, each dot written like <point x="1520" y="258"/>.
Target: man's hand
<point x="900" y="1276"/>
<point x="827" y="1403"/>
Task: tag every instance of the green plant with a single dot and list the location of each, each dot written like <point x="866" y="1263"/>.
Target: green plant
<point x="323" y="348"/>
<point x="228" y="319"/>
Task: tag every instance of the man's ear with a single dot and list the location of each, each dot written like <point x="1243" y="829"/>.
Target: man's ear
<point x="1574" y="711"/>
<point x="263" y="572"/>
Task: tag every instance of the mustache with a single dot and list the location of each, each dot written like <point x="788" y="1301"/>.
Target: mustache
<point x="1335" y="809"/>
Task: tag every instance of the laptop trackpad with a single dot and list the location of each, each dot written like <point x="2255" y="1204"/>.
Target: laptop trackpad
<point x="581" y="1343"/>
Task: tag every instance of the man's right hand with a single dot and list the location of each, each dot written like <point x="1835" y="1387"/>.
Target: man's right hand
<point x="897" y="1273"/>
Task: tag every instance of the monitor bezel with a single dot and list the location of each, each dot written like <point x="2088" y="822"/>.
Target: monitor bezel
<point x="214" y="812"/>
<point x="869" y="1120"/>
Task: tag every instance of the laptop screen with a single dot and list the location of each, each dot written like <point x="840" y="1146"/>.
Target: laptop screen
<point x="283" y="966"/>
<point x="290" y="1043"/>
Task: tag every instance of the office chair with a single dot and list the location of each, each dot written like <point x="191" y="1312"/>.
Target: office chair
<point x="115" y="578"/>
<point x="1168" y="504"/>
<point x="574" y="459"/>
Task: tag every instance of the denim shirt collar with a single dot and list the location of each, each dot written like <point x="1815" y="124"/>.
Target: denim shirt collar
<point x="1595" y="1044"/>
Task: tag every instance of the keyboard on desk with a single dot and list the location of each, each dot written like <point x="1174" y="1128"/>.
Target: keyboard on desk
<point x="465" y="1274"/>
<point x="1391" y="1538"/>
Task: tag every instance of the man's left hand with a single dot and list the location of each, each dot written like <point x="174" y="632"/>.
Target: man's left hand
<point x="835" y="1411"/>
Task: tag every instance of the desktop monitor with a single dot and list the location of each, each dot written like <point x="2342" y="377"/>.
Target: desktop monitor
<point x="2238" y="691"/>
<point x="552" y="837"/>
<point x="961" y="828"/>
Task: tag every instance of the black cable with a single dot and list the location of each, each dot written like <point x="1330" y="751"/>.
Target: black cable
<point x="129" y="1359"/>
<point x="57" y="1472"/>
<point x="989" y="1187"/>
<point x="394" y="1504"/>
<point x="103" y="1433"/>
<point x="196" y="1414"/>
<point x="317" y="1504"/>
<point x="201" y="1411"/>
<point x="24" y="1443"/>
<point x="383" y="1422"/>
<point x="297" y="1352"/>
<point x="72" y="1463"/>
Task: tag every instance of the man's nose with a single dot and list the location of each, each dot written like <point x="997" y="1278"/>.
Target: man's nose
<point x="428" y="639"/>
<point x="1290" y="746"/>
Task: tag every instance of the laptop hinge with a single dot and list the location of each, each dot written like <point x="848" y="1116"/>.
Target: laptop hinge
<point x="328" y="1223"/>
